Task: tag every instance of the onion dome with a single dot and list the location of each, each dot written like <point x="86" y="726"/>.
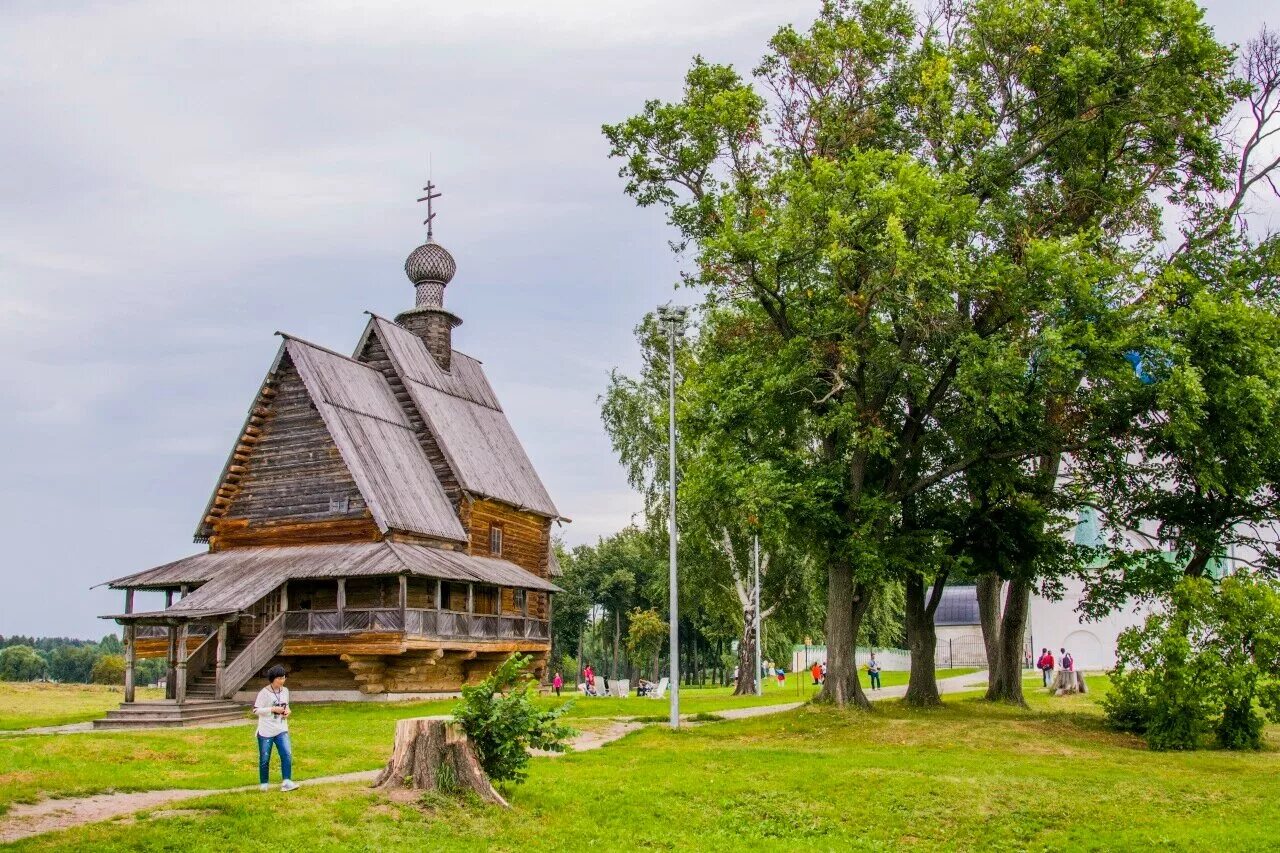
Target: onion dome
<point x="430" y="263"/>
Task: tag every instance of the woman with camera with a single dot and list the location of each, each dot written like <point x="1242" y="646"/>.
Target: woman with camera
<point x="272" y="708"/>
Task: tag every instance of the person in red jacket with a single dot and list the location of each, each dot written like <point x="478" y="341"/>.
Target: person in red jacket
<point x="1045" y="665"/>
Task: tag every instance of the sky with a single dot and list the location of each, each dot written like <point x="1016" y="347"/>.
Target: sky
<point x="180" y="181"/>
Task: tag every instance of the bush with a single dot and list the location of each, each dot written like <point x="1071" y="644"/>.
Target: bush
<point x="503" y="724"/>
<point x="108" y="669"/>
<point x="1208" y="662"/>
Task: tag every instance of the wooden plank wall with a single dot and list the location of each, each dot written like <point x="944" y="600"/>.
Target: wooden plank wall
<point x="525" y="540"/>
<point x="285" y="478"/>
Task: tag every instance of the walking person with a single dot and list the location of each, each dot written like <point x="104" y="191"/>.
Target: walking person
<point x="557" y="683"/>
<point x="816" y="672"/>
<point x="873" y="669"/>
<point x="589" y="676"/>
<point x="272" y="708"/>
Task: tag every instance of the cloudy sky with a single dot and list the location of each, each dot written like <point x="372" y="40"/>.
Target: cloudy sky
<point x="179" y="181"/>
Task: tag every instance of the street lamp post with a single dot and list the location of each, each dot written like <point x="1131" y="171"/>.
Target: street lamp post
<point x="673" y="316"/>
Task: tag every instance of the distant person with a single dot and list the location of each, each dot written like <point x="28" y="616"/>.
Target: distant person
<point x="1045" y="665"/>
<point x="589" y="677"/>
<point x="1068" y="662"/>
<point x="873" y="670"/>
<point x="557" y="683"/>
<point x="824" y="672"/>
<point x="816" y="672"/>
<point x="272" y="708"/>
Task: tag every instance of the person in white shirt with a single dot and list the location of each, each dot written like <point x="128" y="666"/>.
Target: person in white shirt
<point x="272" y="708"/>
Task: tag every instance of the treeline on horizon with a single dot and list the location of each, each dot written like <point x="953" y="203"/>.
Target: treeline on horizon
<point x="70" y="661"/>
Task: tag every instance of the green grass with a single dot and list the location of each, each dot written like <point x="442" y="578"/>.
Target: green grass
<point x="706" y="700"/>
<point x="24" y="706"/>
<point x="328" y="739"/>
<point x="968" y="776"/>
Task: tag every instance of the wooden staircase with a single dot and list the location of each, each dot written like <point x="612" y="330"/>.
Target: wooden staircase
<point x="246" y="655"/>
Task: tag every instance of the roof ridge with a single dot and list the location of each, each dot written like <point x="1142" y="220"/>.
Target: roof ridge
<point x="307" y="343"/>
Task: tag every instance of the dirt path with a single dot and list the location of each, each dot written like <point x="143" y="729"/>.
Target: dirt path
<point x="23" y="821"/>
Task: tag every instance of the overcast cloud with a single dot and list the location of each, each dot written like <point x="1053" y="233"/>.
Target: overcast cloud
<point x="177" y="182"/>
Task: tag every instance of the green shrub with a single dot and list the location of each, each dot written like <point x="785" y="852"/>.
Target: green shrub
<point x="1208" y="662"/>
<point x="503" y="724"/>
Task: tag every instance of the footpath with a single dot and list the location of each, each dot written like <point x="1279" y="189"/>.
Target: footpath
<point x="25" y="820"/>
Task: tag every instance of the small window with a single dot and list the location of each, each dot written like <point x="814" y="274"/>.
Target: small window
<point x="495" y="540"/>
<point x="517" y="599"/>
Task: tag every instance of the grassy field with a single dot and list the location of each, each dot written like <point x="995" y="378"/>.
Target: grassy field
<point x="328" y="739"/>
<point x="965" y="777"/>
<point x="24" y="706"/>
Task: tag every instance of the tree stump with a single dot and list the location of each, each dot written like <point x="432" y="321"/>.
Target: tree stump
<point x="1065" y="682"/>
<point x="432" y="753"/>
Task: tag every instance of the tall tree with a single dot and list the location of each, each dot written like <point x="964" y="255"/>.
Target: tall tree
<point x="892" y="225"/>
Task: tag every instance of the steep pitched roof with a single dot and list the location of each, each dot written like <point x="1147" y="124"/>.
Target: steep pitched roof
<point x="463" y="413"/>
<point x="376" y="442"/>
<point x="374" y="439"/>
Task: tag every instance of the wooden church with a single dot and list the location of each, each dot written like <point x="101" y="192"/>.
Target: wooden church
<point x="377" y="529"/>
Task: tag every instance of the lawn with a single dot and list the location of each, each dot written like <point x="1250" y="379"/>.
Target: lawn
<point x="24" y="706"/>
<point x="968" y="776"/>
<point x="328" y="739"/>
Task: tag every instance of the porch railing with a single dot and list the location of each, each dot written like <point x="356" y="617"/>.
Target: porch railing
<point x="428" y="623"/>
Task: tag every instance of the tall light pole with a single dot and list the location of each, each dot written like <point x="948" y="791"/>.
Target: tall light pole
<point x="673" y="316"/>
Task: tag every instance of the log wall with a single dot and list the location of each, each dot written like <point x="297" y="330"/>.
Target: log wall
<point x="526" y="539"/>
<point x="285" y="475"/>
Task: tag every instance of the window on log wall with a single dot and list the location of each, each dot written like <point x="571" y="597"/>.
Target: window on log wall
<point x="495" y="540"/>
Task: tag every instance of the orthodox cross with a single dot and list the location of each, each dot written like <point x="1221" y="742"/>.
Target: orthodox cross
<point x="430" y="194"/>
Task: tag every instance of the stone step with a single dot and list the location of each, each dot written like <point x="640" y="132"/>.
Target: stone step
<point x="197" y="711"/>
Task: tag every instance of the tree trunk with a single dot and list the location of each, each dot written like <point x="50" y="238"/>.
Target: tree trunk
<point x="747" y="656"/>
<point x="578" y="674"/>
<point x="989" y="584"/>
<point x="922" y="640"/>
<point x="617" y="640"/>
<point x="435" y="754"/>
<point x="1006" y="676"/>
<point x="846" y="605"/>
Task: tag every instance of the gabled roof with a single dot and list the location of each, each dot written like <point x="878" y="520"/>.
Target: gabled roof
<point x="236" y="578"/>
<point x="464" y="416"/>
<point x="376" y="442"/>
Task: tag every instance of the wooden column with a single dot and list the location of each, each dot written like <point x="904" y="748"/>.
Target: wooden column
<point x="221" y="659"/>
<point x="524" y="604"/>
<point x="130" y="654"/>
<point x="284" y="597"/>
<point x="182" y="593"/>
<point x="471" y="598"/>
<point x="128" y="601"/>
<point x="180" y="681"/>
<point x="342" y="596"/>
<point x="404" y="599"/>
<point x="168" y="599"/>
<point x="171" y="674"/>
<point x="439" y="589"/>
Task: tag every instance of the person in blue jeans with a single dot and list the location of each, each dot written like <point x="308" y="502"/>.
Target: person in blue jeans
<point x="272" y="708"/>
<point x="873" y="669"/>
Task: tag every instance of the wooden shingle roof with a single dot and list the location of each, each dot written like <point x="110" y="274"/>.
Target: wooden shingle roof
<point x="376" y="442"/>
<point x="462" y="412"/>
<point x="234" y="579"/>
